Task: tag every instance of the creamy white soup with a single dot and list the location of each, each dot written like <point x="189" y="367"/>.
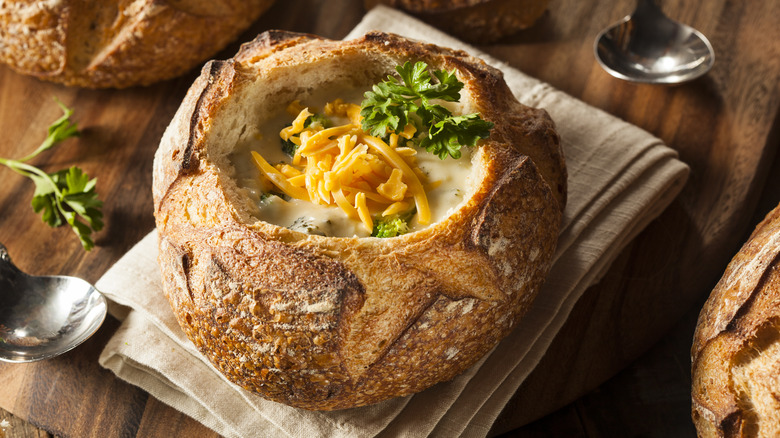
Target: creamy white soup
<point x="446" y="182"/>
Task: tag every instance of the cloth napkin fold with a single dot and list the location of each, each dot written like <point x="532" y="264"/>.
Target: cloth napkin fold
<point x="620" y="178"/>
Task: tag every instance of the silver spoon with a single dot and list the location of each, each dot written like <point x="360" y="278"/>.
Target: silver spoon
<point x="648" y="47"/>
<point x="42" y="317"/>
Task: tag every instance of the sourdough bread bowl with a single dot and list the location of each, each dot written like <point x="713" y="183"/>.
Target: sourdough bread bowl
<point x="476" y="21"/>
<point x="736" y="347"/>
<point x="118" y="43"/>
<point x="324" y="322"/>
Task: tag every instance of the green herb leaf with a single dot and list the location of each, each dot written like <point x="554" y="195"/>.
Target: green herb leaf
<point x="430" y="114"/>
<point x="446" y="136"/>
<point x="394" y="103"/>
<point x="448" y="88"/>
<point x="384" y="110"/>
<point x="80" y="196"/>
<point x="62" y="129"/>
<point x="66" y="196"/>
<point x="415" y="77"/>
<point x="47" y="203"/>
<point x="417" y="83"/>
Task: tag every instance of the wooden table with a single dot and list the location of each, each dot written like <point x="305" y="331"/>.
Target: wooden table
<point x="724" y="125"/>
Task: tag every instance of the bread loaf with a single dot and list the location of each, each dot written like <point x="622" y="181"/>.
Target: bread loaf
<point x="118" y="43"/>
<point x="476" y="21"/>
<point x="337" y="322"/>
<point x="736" y="348"/>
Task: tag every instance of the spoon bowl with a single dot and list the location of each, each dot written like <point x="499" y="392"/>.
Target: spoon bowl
<point x="42" y="317"/>
<point x="649" y="47"/>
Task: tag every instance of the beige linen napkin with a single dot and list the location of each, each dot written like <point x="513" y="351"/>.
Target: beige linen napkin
<point x="620" y="178"/>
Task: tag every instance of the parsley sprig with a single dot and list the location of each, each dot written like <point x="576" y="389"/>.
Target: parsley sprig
<point x="68" y="195"/>
<point x="394" y="103"/>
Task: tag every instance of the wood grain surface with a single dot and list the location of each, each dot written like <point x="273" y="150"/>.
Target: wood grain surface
<point x="724" y="125"/>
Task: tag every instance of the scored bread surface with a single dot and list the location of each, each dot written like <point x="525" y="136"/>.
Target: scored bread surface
<point x="331" y="323"/>
<point x="736" y="348"/>
<point x="118" y="43"/>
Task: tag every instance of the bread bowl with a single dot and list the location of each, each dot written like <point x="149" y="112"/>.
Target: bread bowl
<point x="476" y="21"/>
<point x="327" y="323"/>
<point x="736" y="346"/>
<point x="118" y="43"/>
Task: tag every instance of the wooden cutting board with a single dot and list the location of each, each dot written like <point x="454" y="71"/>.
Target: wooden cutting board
<point x="725" y="126"/>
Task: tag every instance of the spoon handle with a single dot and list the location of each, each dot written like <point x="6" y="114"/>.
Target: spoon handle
<point x="648" y="6"/>
<point x="4" y="256"/>
<point x="7" y="268"/>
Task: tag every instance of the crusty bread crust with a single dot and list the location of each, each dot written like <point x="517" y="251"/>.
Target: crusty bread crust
<point x="736" y="348"/>
<point x="476" y="21"/>
<point x="118" y="43"/>
<point x="332" y="323"/>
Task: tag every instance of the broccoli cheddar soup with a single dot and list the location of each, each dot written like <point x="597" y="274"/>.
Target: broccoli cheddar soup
<point x="332" y="166"/>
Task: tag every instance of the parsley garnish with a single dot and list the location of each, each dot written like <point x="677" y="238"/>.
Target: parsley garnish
<point x="394" y="103"/>
<point x="66" y="196"/>
<point x="447" y="135"/>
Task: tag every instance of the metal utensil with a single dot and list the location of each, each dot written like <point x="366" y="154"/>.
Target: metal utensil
<point x="42" y="317"/>
<point x="649" y="47"/>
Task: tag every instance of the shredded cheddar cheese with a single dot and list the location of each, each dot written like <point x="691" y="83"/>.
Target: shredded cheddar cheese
<point x="345" y="167"/>
<point x="297" y="125"/>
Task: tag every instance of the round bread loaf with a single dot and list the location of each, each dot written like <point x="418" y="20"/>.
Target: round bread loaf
<point x="476" y="21"/>
<point x="118" y="43"/>
<point x="337" y="322"/>
<point x="736" y="347"/>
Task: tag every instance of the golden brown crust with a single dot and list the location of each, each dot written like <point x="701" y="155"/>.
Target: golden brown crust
<point x="332" y="323"/>
<point x="477" y="21"/>
<point x="736" y="348"/>
<point x="118" y="43"/>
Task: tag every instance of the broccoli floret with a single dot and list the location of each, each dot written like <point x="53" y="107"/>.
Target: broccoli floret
<point x="393" y="225"/>
<point x="267" y="197"/>
<point x="288" y="147"/>
<point x="317" y="119"/>
<point x="390" y="227"/>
